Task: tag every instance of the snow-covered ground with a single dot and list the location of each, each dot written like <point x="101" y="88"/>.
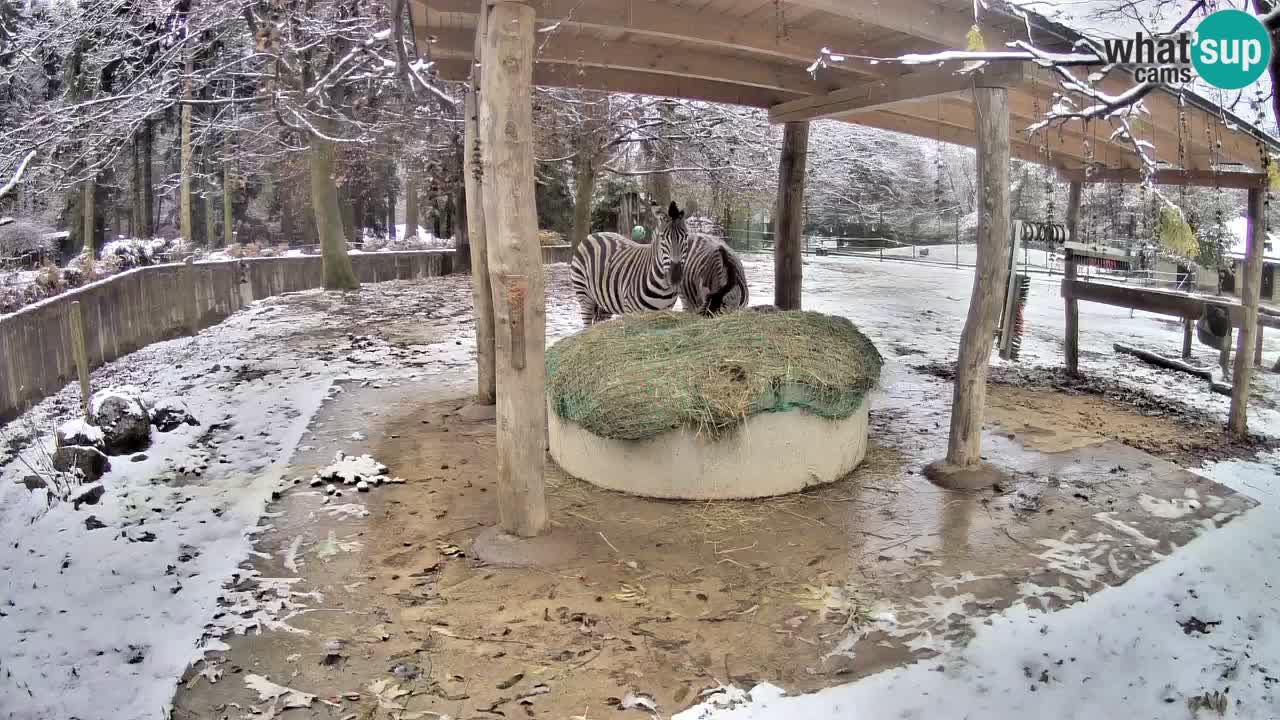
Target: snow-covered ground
<point x="101" y="621"/>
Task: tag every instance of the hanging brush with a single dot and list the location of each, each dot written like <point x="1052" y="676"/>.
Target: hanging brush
<point x="1020" y="303"/>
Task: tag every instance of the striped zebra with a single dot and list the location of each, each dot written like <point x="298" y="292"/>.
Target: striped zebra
<point x="612" y="275"/>
<point x="714" y="279"/>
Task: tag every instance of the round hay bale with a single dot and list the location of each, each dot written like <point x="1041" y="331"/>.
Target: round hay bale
<point x="734" y="406"/>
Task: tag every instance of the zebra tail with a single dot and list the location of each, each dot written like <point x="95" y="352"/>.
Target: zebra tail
<point x="716" y="302"/>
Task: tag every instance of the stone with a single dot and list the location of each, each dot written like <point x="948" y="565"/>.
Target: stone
<point x="139" y="457"/>
<point x="34" y="482"/>
<point x="90" y="461"/>
<point x="89" y="495"/>
<point x="171" y="413"/>
<point x="124" y="421"/>
<point x="478" y="413"/>
<point x="93" y="523"/>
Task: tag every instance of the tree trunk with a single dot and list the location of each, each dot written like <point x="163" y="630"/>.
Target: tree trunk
<point x="348" y="209"/>
<point x="481" y="292"/>
<point x="228" y="227"/>
<point x="1069" y="274"/>
<point x="462" y="247"/>
<point x="89" y="216"/>
<point x="185" y="226"/>
<point x="391" y="214"/>
<point x="135" y="198"/>
<point x="410" y="206"/>
<point x="585" y="182"/>
<point x="147" y="191"/>
<point x="338" y="273"/>
<point x="210" y="215"/>
<point x="788" y="268"/>
<point x="511" y="223"/>
<point x="991" y="107"/>
<point x="1249" y="292"/>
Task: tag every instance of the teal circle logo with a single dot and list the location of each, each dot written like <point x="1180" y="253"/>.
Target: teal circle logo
<point x="1232" y="49"/>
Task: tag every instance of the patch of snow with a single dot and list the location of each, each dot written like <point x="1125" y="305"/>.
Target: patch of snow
<point x="351" y="469"/>
<point x="80" y="428"/>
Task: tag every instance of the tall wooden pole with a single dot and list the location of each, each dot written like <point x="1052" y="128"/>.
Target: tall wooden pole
<point x="788" y="271"/>
<point x="515" y="265"/>
<point x="1072" y="342"/>
<point x="1249" y="291"/>
<point x="991" y="108"/>
<point x="481" y="293"/>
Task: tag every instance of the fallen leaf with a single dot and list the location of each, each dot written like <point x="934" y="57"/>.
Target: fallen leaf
<point x="286" y="697"/>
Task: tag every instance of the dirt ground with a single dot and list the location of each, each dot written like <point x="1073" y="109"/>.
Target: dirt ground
<point x="390" y="614"/>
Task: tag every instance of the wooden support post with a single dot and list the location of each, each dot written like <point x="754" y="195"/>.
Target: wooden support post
<point x="1257" y="347"/>
<point x="1187" y="327"/>
<point x="80" y="356"/>
<point x="788" y="271"/>
<point x="963" y="466"/>
<point x="1249" y="291"/>
<point x="515" y="265"/>
<point x="481" y="292"/>
<point x="1072" y="343"/>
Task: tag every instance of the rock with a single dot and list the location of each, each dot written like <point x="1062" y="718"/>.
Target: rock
<point x="139" y="457"/>
<point x="123" y="420"/>
<point x="93" y="523"/>
<point x="330" y="489"/>
<point x="478" y="413"/>
<point x="90" y="461"/>
<point x="363" y="486"/>
<point x="34" y="482"/>
<point x="79" y="432"/>
<point x="89" y="495"/>
<point x="171" y="413"/>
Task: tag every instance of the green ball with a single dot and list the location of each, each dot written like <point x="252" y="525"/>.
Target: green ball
<point x="638" y="233"/>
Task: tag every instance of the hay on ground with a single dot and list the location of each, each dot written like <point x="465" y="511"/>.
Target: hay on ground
<point x="639" y="376"/>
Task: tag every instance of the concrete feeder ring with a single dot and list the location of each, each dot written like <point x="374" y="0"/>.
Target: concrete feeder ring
<point x="769" y="454"/>
<point x="744" y="405"/>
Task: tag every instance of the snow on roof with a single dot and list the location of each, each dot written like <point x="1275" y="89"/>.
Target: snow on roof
<point x="1238" y="227"/>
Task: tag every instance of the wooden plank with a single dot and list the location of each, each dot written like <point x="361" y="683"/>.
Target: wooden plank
<point x="964" y="445"/>
<point x="919" y="85"/>
<point x="941" y="23"/>
<point x="1200" y="178"/>
<point x="1072" y="344"/>
<point x="1249" y="291"/>
<point x="787" y="261"/>
<point x="1134" y="298"/>
<point x="1187" y="331"/>
<point x="582" y="51"/>
<point x="511" y="229"/>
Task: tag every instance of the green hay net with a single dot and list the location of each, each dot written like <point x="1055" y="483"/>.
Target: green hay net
<point x="639" y="376"/>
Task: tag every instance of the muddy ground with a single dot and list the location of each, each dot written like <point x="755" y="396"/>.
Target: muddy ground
<point x="390" y="614"/>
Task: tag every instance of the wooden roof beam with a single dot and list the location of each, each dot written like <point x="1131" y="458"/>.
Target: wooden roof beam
<point x="1199" y="178"/>
<point x="879" y="94"/>
<point x="933" y="21"/>
<point x="581" y="50"/>
<point x="648" y="17"/>
<point x="626" y="81"/>
<point x="929" y="129"/>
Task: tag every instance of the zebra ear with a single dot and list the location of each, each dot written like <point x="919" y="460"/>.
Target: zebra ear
<point x="674" y="211"/>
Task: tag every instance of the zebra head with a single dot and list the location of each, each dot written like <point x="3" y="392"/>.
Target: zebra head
<point x="674" y="241"/>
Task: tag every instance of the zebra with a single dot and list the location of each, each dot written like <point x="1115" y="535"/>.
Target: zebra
<point x="714" y="279"/>
<point x="612" y="275"/>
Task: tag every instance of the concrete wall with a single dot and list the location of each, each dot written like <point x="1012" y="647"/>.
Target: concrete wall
<point x="129" y="311"/>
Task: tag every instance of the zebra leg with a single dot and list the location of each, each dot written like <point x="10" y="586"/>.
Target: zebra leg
<point x="590" y="311"/>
